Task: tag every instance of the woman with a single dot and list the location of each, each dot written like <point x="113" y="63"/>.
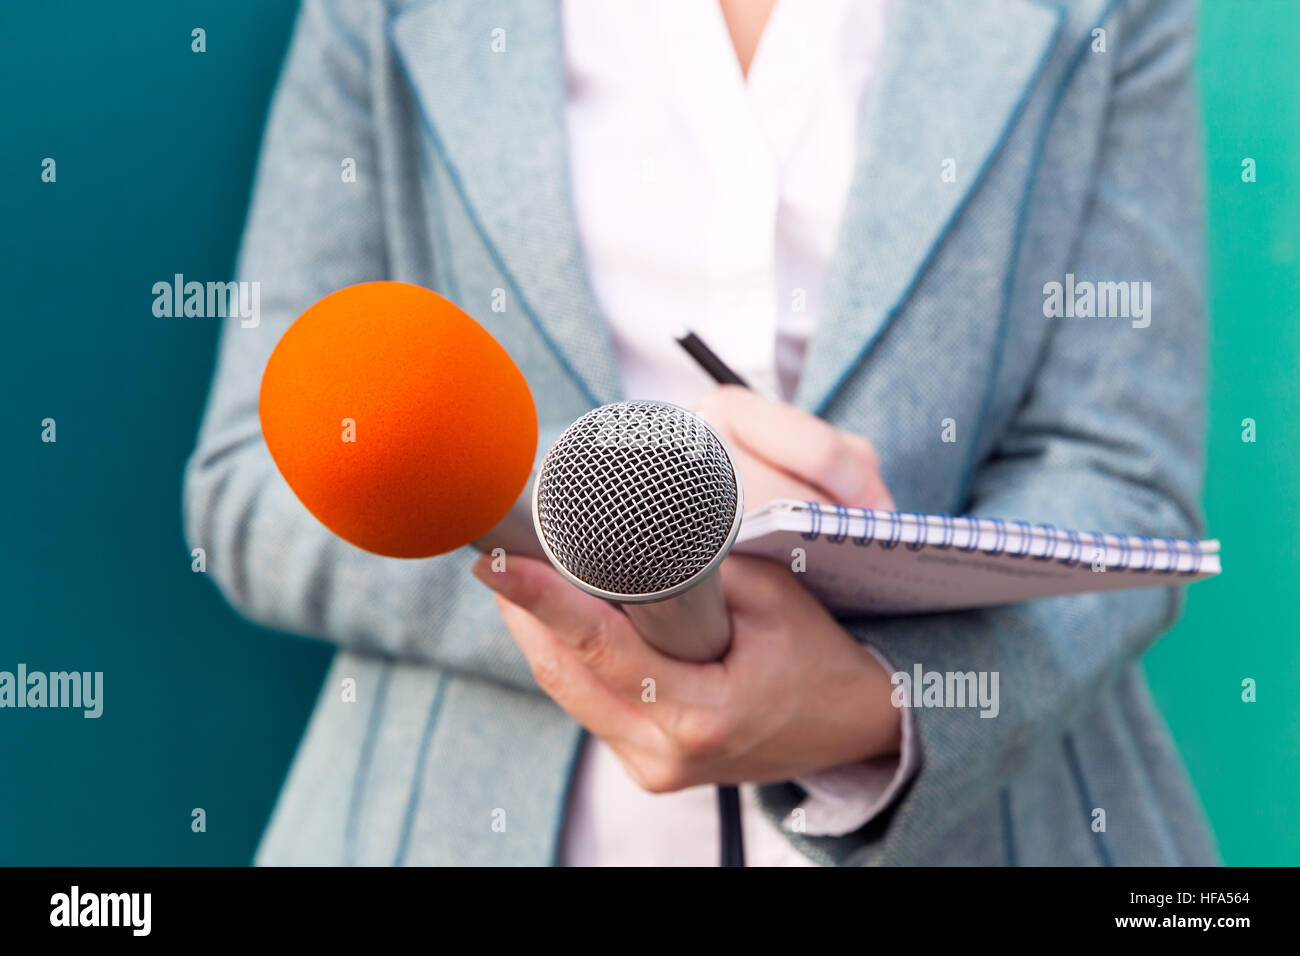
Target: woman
<point x="860" y="205"/>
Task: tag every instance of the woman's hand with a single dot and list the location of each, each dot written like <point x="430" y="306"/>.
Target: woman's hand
<point x="795" y="693"/>
<point x="783" y="452"/>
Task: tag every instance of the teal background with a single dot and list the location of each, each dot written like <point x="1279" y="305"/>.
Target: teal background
<point x="1245" y="758"/>
<point x="155" y="148"/>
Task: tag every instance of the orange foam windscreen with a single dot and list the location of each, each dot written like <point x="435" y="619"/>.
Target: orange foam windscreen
<point x="399" y="422"/>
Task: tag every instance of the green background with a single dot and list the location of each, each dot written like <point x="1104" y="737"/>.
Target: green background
<point x="155" y="148"/>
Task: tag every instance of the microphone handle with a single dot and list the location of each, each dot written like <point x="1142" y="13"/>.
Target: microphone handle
<point x="694" y="626"/>
<point x="515" y="533"/>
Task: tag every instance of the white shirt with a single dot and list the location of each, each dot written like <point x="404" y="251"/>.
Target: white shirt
<point x="708" y="201"/>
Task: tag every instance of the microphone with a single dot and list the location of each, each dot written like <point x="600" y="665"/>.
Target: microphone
<point x="400" y="423"/>
<point x="639" y="503"/>
<point x="408" y="431"/>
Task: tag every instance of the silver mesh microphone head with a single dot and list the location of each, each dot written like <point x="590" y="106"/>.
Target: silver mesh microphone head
<point x="637" y="501"/>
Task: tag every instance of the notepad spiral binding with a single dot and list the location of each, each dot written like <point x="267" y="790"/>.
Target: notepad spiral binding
<point x="974" y="527"/>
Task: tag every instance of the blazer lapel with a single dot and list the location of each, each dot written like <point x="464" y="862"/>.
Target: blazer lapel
<point x="953" y="77"/>
<point x="496" y="119"/>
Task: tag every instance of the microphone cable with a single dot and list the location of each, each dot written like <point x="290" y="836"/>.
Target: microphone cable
<point x="733" y="835"/>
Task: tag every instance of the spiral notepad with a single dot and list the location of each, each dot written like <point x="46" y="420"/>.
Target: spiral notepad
<point x="887" y="562"/>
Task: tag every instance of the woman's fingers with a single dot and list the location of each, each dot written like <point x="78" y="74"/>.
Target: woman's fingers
<point x="843" y="467"/>
<point x="597" y="635"/>
<point x="586" y="698"/>
<point x="762" y="483"/>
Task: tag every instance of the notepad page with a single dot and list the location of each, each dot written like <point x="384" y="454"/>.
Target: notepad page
<point x="879" y="562"/>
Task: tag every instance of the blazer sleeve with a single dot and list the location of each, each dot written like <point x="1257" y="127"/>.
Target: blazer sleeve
<point x="1109" y="437"/>
<point x="310" y="232"/>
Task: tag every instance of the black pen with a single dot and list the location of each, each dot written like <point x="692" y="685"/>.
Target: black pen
<point x="708" y="360"/>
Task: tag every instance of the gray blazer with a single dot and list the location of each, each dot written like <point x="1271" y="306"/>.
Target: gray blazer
<point x="1068" y="159"/>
